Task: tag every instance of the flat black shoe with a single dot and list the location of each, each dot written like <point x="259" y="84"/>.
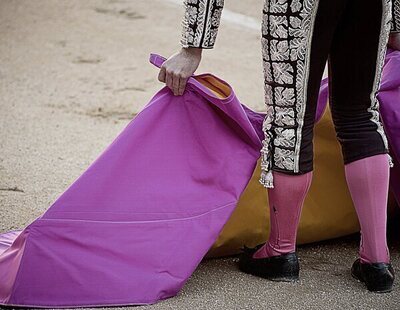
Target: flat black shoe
<point x="277" y="268"/>
<point x="378" y="277"/>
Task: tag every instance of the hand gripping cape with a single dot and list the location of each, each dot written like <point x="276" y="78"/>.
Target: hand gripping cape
<point x="135" y="225"/>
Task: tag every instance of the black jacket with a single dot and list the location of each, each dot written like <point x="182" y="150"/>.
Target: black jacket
<point x="202" y="18"/>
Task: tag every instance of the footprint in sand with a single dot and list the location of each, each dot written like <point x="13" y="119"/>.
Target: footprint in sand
<point x="123" y="12"/>
<point x="82" y="60"/>
<point x="129" y="89"/>
<point x="115" y="113"/>
<point x="12" y="189"/>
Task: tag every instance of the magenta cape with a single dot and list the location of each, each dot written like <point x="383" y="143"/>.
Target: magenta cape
<point x="135" y="225"/>
<point x="389" y="97"/>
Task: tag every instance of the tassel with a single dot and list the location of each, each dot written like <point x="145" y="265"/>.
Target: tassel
<point x="391" y="164"/>
<point x="267" y="179"/>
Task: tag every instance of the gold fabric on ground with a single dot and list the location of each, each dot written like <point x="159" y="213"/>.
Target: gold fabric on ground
<point x="328" y="211"/>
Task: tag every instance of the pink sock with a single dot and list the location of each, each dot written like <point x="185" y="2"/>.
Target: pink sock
<point x="285" y="200"/>
<point x="368" y="182"/>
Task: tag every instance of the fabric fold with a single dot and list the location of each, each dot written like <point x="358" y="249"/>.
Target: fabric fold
<point x="133" y="227"/>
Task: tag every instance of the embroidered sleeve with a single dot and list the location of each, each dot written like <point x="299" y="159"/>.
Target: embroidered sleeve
<point x="395" y="16"/>
<point x="200" y="22"/>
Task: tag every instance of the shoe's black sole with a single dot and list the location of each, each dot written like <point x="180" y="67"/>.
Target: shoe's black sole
<point x="287" y="276"/>
<point x="284" y="268"/>
<point x="287" y="279"/>
<point x="385" y="289"/>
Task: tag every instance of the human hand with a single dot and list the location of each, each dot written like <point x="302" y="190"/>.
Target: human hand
<point x="176" y="70"/>
<point x="394" y="41"/>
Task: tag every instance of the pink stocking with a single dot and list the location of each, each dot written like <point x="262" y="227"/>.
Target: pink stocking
<point x="285" y="200"/>
<point x="368" y="182"/>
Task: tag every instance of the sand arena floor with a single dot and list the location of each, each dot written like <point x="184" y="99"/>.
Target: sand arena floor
<point x="73" y="73"/>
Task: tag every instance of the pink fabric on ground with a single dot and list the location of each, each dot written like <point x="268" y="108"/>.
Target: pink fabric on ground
<point x="286" y="200"/>
<point x="368" y="182"/>
<point x="133" y="227"/>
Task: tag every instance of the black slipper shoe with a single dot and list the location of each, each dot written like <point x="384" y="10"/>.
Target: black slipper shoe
<point x="277" y="268"/>
<point x="378" y="277"/>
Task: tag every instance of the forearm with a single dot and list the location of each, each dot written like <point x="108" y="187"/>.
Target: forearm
<point x="192" y="51"/>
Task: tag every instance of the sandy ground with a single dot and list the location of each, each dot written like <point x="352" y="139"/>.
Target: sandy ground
<point x="72" y="74"/>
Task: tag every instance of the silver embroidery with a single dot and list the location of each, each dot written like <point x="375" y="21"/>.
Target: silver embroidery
<point x="285" y="67"/>
<point x="285" y="138"/>
<point x="383" y="37"/>
<point x="395" y="26"/>
<point x="201" y="22"/>
<point x="309" y="13"/>
<point x="279" y="50"/>
<point x="278" y="6"/>
<point x="278" y="26"/>
<point x="283" y="72"/>
<point x="284" y="158"/>
<point x="284" y="116"/>
<point x="286" y="61"/>
<point x="284" y="96"/>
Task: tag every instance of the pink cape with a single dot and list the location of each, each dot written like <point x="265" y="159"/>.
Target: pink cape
<point x="136" y="224"/>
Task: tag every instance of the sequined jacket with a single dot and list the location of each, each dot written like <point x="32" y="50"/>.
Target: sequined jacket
<point x="202" y="18"/>
<point x="285" y="71"/>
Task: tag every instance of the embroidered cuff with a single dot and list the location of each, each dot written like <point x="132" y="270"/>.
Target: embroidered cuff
<point x="200" y="23"/>
<point x="395" y="27"/>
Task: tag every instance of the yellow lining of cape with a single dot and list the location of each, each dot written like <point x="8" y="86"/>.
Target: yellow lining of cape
<point x="220" y="89"/>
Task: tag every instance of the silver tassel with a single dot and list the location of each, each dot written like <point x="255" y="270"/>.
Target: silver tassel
<point x="267" y="179"/>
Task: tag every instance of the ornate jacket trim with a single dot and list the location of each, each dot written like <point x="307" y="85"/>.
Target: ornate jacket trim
<point x="287" y="29"/>
<point x="200" y="23"/>
<point x="395" y="23"/>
